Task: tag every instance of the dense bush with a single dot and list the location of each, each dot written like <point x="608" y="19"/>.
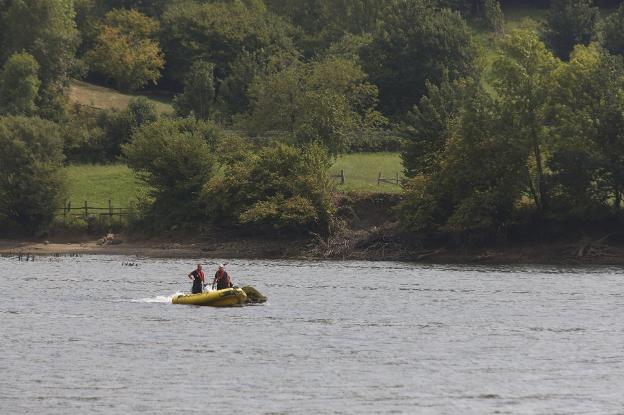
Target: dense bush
<point x="125" y="50"/>
<point x="569" y="23"/>
<point x="278" y="188"/>
<point x="415" y="43"/>
<point x="174" y="158"/>
<point x="118" y="126"/>
<point x="198" y="98"/>
<point x="31" y="183"/>
<point x="613" y="31"/>
<point x="326" y="101"/>
<point x="19" y="85"/>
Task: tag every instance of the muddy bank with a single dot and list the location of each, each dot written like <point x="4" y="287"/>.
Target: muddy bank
<point x="164" y="248"/>
<point x="378" y="244"/>
<point x="367" y="230"/>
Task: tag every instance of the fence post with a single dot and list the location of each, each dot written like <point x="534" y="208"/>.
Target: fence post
<point x="110" y="212"/>
<point x="86" y="209"/>
<point x="342" y="178"/>
<point x="65" y="208"/>
<point x="379" y="179"/>
<point x="397" y="178"/>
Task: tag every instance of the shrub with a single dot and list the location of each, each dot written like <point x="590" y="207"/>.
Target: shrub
<point x="174" y="158"/>
<point x="278" y="188"/>
<point x="31" y="183"/>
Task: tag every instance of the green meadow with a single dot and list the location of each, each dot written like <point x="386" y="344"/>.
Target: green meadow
<point x="98" y="184"/>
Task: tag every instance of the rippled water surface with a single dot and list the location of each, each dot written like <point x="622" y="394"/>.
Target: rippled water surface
<point x="89" y="335"/>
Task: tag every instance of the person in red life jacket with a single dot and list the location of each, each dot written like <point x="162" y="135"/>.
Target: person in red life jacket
<point x="198" y="279"/>
<point x="222" y="279"/>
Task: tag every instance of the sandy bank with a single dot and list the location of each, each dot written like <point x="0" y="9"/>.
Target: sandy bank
<point x="557" y="254"/>
<point x="156" y="248"/>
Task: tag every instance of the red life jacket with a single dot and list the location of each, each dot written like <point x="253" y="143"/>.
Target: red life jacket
<point x="198" y="274"/>
<point x="221" y="279"/>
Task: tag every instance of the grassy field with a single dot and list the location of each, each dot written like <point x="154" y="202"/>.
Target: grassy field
<point x="100" y="97"/>
<point x="362" y="169"/>
<point x="99" y="184"/>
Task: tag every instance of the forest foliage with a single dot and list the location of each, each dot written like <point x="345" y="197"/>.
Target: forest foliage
<point x="526" y="129"/>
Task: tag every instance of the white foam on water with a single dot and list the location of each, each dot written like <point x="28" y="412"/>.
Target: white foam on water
<point x="157" y="299"/>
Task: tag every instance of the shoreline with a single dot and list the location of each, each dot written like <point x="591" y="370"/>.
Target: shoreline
<point x="550" y="254"/>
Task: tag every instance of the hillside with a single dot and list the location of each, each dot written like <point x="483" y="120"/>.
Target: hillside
<point x="99" y="97"/>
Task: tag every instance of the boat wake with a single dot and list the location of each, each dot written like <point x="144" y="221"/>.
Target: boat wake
<point x="157" y="299"/>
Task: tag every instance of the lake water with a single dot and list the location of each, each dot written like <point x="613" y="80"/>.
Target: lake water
<point x="90" y="335"/>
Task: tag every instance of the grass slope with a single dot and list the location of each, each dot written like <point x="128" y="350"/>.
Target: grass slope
<point x="98" y="184"/>
<point x="99" y="97"/>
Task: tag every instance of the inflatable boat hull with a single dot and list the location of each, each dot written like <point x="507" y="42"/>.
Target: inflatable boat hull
<point x="220" y="298"/>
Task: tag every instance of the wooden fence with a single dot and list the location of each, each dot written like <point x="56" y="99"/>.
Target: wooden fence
<point x="387" y="180"/>
<point x="85" y="211"/>
<point x="340" y="176"/>
<point x="394" y="180"/>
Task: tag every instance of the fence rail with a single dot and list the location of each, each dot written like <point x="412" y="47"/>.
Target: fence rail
<point x="84" y="211"/>
<point x="394" y="180"/>
<point x="380" y="179"/>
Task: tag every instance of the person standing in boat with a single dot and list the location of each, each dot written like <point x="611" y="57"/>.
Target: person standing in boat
<point x="198" y="279"/>
<point x="222" y="279"/>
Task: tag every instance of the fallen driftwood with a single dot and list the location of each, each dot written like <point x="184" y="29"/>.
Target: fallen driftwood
<point x="588" y="248"/>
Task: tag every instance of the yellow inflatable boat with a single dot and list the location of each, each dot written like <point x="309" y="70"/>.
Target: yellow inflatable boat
<point x="220" y="298"/>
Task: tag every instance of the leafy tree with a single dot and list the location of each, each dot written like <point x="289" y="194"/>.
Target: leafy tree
<point x="613" y="31"/>
<point x="493" y="15"/>
<point x="522" y="78"/>
<point x="415" y="43"/>
<point x="487" y="11"/>
<point x="118" y="126"/>
<point x="325" y="21"/>
<point x="588" y="159"/>
<point x="152" y="8"/>
<point x="569" y="23"/>
<point x="322" y="101"/>
<point x="426" y="128"/>
<point x="198" y="98"/>
<point x="47" y="31"/>
<point x="174" y="158"/>
<point x="125" y="50"/>
<point x="478" y="179"/>
<point x="219" y="32"/>
<point x="279" y="187"/>
<point x="19" y="85"/>
<point x="31" y="184"/>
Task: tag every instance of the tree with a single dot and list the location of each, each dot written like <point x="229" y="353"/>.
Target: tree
<point x="118" y="126"/>
<point x="613" y="31"/>
<point x="322" y="101"/>
<point x="426" y="127"/>
<point x="569" y="23"/>
<point x="279" y="187"/>
<point x="198" y="98"/>
<point x="174" y="158"/>
<point x="416" y="43"/>
<point x="31" y="183"/>
<point x="522" y="78"/>
<point x="325" y="21"/>
<point x="478" y="178"/>
<point x="47" y="31"/>
<point x="588" y="158"/>
<point x="19" y="85"/>
<point x="125" y="50"/>
<point x="488" y="12"/>
<point x="241" y="38"/>
<point x="220" y="32"/>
